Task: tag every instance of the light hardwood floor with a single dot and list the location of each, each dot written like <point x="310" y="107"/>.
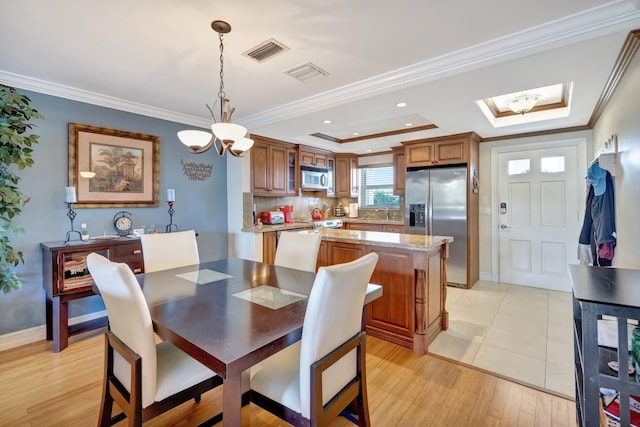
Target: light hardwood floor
<point x="41" y="388"/>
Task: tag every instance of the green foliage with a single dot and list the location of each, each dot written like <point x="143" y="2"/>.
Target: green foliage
<point x="15" y="153"/>
<point x="381" y="198"/>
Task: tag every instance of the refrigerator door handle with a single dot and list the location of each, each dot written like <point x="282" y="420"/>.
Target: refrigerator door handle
<point x="430" y="210"/>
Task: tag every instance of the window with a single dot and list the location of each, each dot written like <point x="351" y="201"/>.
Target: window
<point x="552" y="164"/>
<point x="376" y="187"/>
<point x="519" y="167"/>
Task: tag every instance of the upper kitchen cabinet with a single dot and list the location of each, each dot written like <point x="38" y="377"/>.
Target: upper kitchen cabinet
<point x="445" y="150"/>
<point x="399" y="170"/>
<point x="313" y="158"/>
<point x="346" y="175"/>
<point x="273" y="167"/>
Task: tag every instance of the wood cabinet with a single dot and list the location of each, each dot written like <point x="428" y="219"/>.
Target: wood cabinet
<point x="331" y="167"/>
<point x="399" y="170"/>
<point x="269" y="243"/>
<point x="449" y="150"/>
<point x="66" y="278"/>
<point x="273" y="169"/>
<point x="346" y="175"/>
<point x="313" y="158"/>
<point x="411" y="311"/>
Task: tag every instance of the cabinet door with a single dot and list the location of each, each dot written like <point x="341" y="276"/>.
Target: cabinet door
<point x="269" y="247"/>
<point x="449" y="152"/>
<point x="394" y="310"/>
<point x="399" y="171"/>
<point x="393" y="228"/>
<point x="260" y="174"/>
<point x="279" y="169"/>
<point x="363" y="226"/>
<point x="323" y="255"/>
<point x="320" y="160"/>
<point x="355" y="178"/>
<point x="343" y="177"/>
<point x="419" y="154"/>
<point x="292" y="175"/>
<point x="331" y="190"/>
<point x="344" y="252"/>
<point x="130" y="254"/>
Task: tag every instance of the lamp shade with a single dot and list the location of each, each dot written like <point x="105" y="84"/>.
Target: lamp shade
<point x="228" y="131"/>
<point x="243" y="144"/>
<point x="196" y="140"/>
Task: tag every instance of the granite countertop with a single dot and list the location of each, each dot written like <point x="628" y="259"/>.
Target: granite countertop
<point x="308" y="224"/>
<point x="417" y="242"/>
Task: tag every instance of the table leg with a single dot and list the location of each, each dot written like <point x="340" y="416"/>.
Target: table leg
<point x="232" y="400"/>
<point x="49" y="317"/>
<point x="60" y="323"/>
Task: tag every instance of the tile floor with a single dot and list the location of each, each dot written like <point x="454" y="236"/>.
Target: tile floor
<point x="518" y="332"/>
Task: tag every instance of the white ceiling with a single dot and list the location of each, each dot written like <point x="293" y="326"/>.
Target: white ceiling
<point x="160" y="58"/>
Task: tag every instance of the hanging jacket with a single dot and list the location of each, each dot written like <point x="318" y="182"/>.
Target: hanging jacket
<point x="599" y="225"/>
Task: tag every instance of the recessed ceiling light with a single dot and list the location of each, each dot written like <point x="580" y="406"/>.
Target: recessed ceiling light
<point x="326" y="122"/>
<point x="356" y="133"/>
<point x="401" y="104"/>
<point x="408" y="124"/>
<point x="368" y="150"/>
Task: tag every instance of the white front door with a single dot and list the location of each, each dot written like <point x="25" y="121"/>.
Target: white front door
<point x="538" y="216"/>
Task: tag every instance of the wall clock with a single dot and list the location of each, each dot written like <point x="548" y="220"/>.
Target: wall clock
<point x="123" y="223"/>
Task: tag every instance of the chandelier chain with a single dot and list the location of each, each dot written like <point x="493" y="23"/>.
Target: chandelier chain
<point x="221" y="93"/>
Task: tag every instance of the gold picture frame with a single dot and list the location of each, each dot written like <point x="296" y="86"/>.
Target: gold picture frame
<point x="126" y="167"/>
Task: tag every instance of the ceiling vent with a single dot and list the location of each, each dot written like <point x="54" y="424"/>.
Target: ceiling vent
<point x="266" y="50"/>
<point x="306" y="71"/>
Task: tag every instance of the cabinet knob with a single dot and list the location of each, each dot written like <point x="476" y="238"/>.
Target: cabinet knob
<point x="137" y="251"/>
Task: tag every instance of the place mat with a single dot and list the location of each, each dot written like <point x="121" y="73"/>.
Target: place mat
<point x="269" y="296"/>
<point x="204" y="276"/>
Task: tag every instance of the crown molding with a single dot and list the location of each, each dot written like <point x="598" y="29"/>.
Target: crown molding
<point x="618" y="15"/>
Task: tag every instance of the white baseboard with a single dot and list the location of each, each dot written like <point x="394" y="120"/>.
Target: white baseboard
<point x="487" y="277"/>
<point x="39" y="333"/>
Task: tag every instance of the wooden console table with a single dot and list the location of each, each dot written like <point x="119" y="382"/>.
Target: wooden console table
<point x="65" y="278"/>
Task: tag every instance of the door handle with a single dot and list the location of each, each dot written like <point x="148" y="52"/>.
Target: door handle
<point x="504" y="227"/>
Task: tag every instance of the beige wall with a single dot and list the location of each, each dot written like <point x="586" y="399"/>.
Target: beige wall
<point x="622" y="117"/>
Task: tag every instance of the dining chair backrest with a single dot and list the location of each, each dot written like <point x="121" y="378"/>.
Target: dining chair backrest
<point x="298" y="250"/>
<point x="162" y="251"/>
<point x="333" y="316"/>
<point x="129" y="320"/>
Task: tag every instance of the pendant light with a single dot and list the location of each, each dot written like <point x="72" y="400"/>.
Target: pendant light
<point x="225" y="136"/>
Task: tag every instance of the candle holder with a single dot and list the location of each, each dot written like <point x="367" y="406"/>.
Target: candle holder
<point x="170" y="226"/>
<point x="71" y="215"/>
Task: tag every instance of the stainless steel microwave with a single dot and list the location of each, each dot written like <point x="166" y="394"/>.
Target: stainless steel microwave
<point x="314" y="178"/>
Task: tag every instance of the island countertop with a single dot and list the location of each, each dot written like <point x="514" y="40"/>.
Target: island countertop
<point x="416" y="242"/>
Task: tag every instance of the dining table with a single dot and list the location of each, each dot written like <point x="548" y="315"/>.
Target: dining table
<point x="230" y="314"/>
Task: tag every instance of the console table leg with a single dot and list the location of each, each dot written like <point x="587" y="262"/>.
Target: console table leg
<point x="60" y="324"/>
<point x="49" y="315"/>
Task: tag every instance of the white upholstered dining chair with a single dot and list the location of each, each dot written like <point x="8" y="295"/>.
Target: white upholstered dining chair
<point x="298" y="250"/>
<point x="162" y="251"/>
<point x="142" y="377"/>
<point x="314" y="380"/>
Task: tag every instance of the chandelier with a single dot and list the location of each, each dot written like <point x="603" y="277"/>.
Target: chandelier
<point x="231" y="137"/>
<point x="523" y="103"/>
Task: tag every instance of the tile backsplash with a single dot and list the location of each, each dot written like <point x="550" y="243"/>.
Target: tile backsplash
<point x="304" y="206"/>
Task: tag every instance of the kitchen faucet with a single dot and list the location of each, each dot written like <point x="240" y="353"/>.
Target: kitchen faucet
<point x="386" y="211"/>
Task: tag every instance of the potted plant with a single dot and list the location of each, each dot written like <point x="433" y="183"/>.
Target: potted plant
<point x="15" y="155"/>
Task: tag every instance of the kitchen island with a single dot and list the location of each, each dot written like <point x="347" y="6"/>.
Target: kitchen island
<point x="412" y="272"/>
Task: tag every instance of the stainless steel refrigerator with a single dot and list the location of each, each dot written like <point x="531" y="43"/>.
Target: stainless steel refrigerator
<point x="436" y="204"/>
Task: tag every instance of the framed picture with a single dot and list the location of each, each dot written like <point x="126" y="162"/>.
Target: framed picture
<point x="113" y="168"/>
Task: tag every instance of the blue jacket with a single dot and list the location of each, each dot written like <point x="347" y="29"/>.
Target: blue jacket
<point x="599" y="224"/>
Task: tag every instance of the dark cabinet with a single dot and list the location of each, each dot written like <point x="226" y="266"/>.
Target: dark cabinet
<point x="66" y="278"/>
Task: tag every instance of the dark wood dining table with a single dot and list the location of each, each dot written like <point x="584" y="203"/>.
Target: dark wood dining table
<point x="230" y="314"/>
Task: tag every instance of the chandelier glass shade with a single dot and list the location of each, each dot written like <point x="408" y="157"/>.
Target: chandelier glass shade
<point x="523" y="103"/>
<point x="225" y="136"/>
